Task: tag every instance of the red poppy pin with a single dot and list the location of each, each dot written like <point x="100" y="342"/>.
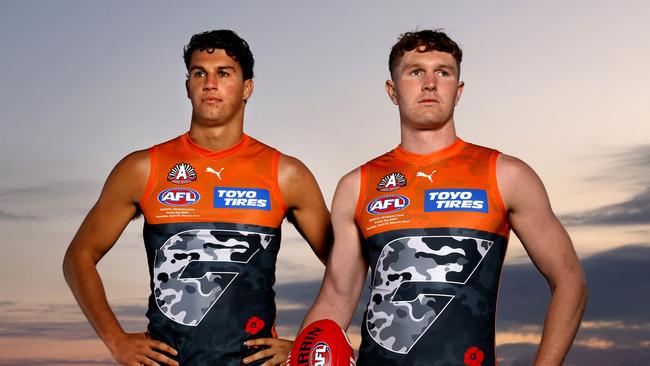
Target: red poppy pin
<point x="474" y="357"/>
<point x="254" y="325"/>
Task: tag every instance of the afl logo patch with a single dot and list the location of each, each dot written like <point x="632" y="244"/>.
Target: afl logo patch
<point x="181" y="173"/>
<point x="388" y="204"/>
<point x="321" y="355"/>
<point x="178" y="197"/>
<point x="391" y="182"/>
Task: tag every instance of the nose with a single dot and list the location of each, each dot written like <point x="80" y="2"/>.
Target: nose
<point x="429" y="83"/>
<point x="210" y="82"/>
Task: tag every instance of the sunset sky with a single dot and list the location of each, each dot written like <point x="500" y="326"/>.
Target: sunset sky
<point x="561" y="85"/>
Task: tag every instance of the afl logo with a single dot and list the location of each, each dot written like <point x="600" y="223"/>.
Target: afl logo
<point x="321" y="355"/>
<point x="178" y="197"/>
<point x="388" y="204"/>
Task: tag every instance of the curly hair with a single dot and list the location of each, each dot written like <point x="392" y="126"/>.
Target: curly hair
<point x="423" y="41"/>
<point x="226" y="40"/>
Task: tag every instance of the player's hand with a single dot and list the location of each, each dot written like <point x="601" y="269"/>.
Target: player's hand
<point x="136" y="349"/>
<point x="278" y="349"/>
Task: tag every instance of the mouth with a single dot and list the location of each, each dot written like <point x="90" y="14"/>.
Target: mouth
<point x="211" y="100"/>
<point x="428" y="101"/>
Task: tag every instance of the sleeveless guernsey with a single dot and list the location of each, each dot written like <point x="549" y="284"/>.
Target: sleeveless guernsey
<point x="212" y="234"/>
<point x="435" y="233"/>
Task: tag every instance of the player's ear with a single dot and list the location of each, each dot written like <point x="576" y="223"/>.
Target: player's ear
<point x="392" y="92"/>
<point x="459" y="92"/>
<point x="248" y="88"/>
<point x="187" y="87"/>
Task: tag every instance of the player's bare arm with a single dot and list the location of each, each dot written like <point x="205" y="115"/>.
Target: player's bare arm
<point x="347" y="268"/>
<point x="550" y="248"/>
<point x="116" y="206"/>
<point x="307" y="211"/>
<point x="305" y="205"/>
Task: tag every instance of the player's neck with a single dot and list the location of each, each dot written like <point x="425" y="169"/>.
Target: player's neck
<point x="216" y="138"/>
<point x="426" y="141"/>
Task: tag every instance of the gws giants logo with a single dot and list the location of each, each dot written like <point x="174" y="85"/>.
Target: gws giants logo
<point x="387" y="204"/>
<point x="391" y="182"/>
<point x="178" y="197"/>
<point x="194" y="268"/>
<point x="321" y="355"/>
<point x="181" y="173"/>
<point x="415" y="279"/>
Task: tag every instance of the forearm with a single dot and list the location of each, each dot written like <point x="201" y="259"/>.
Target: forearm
<point x="81" y="275"/>
<point x="337" y="305"/>
<point x="325" y="308"/>
<point x="561" y="324"/>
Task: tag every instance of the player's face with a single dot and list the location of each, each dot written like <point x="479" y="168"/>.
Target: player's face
<point x="216" y="88"/>
<point x="426" y="88"/>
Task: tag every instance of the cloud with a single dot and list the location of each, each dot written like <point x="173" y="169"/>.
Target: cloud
<point x="630" y="166"/>
<point x="46" y="201"/>
<point x="614" y="278"/>
<point x="49" y="190"/>
<point x="10" y="216"/>
<point x="524" y="354"/>
<point x="615" y="324"/>
<point x="60" y="321"/>
<point x="634" y="211"/>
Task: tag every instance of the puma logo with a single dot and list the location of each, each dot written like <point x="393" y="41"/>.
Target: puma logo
<point x="428" y="176"/>
<point x="217" y="173"/>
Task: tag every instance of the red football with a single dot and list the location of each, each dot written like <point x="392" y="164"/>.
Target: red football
<point x="321" y="343"/>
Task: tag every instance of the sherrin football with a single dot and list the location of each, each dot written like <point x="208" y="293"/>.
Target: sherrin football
<point x="321" y="343"/>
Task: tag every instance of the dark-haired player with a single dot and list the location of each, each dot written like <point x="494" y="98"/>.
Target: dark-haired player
<point x="431" y="219"/>
<point x="213" y="200"/>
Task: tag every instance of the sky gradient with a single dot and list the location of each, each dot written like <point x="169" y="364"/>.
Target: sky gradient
<point x="562" y="86"/>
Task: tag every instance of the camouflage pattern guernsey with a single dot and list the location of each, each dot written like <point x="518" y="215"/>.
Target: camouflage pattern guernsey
<point x="436" y="234"/>
<point x="212" y="235"/>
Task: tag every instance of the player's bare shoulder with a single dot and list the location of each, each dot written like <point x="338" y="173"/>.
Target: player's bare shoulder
<point x="347" y="194"/>
<point x="297" y="183"/>
<point x="130" y="176"/>
<point x="517" y="181"/>
<point x="290" y="169"/>
<point x="350" y="184"/>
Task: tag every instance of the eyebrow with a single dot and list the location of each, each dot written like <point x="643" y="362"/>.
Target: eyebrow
<point x="439" y="66"/>
<point x="219" y="68"/>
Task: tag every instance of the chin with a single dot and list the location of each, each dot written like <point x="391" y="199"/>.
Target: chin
<point x="430" y="124"/>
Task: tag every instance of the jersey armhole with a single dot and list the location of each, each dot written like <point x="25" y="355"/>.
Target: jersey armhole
<point x="151" y="181"/>
<point x="495" y="183"/>
<point x="275" y="167"/>
<point x="362" y="192"/>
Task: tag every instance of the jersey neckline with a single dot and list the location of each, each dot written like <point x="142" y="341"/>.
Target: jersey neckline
<point x="212" y="154"/>
<point x="437" y="155"/>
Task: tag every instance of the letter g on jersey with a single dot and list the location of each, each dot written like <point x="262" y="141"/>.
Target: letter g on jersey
<point x="414" y="281"/>
<point x="193" y="269"/>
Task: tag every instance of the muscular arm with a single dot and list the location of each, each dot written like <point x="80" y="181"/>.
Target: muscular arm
<point x="307" y="211"/>
<point x="550" y="248"/>
<point x="347" y="268"/>
<point x="305" y="205"/>
<point x="99" y="231"/>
